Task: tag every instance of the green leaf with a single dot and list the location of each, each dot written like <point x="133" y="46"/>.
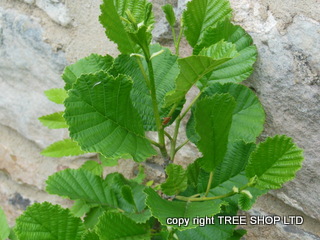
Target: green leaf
<point x="4" y="226"/>
<point x="82" y="184"/>
<point x="79" y="208"/>
<point x="237" y="69"/>
<point x="127" y="195"/>
<point x="90" y="235"/>
<point x="102" y="118"/>
<point x="93" y="167"/>
<point x="54" y="121"/>
<point x="275" y="161"/>
<point x="212" y="232"/>
<point x="244" y="202"/>
<point x="47" y="221"/>
<point x="56" y="95"/>
<point x="192" y="69"/>
<point x="122" y="228"/>
<point x="91" y="64"/>
<point x="166" y="70"/>
<point x="110" y="162"/>
<point x="176" y="181"/>
<point x="92" y="217"/>
<point x="213" y="122"/>
<point x="170" y="16"/>
<point x="248" y="115"/>
<point x="66" y="147"/>
<point x="117" y="29"/>
<point x="220" y="50"/>
<point x="163" y="209"/>
<point x="201" y="14"/>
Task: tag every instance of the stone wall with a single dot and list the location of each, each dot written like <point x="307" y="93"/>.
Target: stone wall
<point x="38" y="38"/>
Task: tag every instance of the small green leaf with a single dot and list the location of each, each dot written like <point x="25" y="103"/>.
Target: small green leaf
<point x="275" y="161"/>
<point x="244" y="202"/>
<point x="92" y="217"/>
<point x="91" y="64"/>
<point x="102" y="118"/>
<point x="176" y="181"/>
<point x="238" y="234"/>
<point x="54" y="121"/>
<point x="202" y="14"/>
<point x="170" y="16"/>
<point x="93" y="167"/>
<point x="56" y="95"/>
<point x="66" y="147"/>
<point x="5" y="229"/>
<point x="213" y="118"/>
<point x="47" y="221"/>
<point x="122" y="228"/>
<point x="163" y="209"/>
<point x="140" y="176"/>
<point x="127" y="195"/>
<point x="110" y="162"/>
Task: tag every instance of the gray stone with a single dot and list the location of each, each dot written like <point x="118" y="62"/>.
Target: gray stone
<point x="56" y="10"/>
<point x="28" y="66"/>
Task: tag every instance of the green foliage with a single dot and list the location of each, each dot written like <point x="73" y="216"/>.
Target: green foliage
<point x="111" y="103"/>
<point x="176" y="181"/>
<point x="54" y="121"/>
<point x="47" y="221"/>
<point x="66" y="147"/>
<point x="275" y="161"/>
<point x="5" y="229"/>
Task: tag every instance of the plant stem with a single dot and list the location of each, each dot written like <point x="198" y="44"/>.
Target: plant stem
<point x="182" y="145"/>
<point x="177" y="43"/>
<point x="205" y="198"/>
<point x="209" y="184"/>
<point x="156" y="113"/>
<point x="168" y="135"/>
<point x="174" y="139"/>
<point x="154" y="142"/>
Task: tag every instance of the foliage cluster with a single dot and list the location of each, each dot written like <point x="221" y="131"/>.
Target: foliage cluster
<point x="110" y="104"/>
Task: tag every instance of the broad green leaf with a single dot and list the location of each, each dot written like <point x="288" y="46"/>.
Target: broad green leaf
<point x="90" y="235"/>
<point x="237" y="69"/>
<point x="117" y="29"/>
<point x="5" y="229"/>
<point x="91" y="64"/>
<point x="192" y="69"/>
<point x="202" y="14"/>
<point x="213" y="232"/>
<point x="78" y="184"/>
<point x="56" y="95"/>
<point x="66" y="147"/>
<point x="233" y="163"/>
<point x="47" y="221"/>
<point x="163" y="209"/>
<point x="248" y="115"/>
<point x="166" y="70"/>
<point x="54" y="121"/>
<point x="80" y="207"/>
<point x="213" y="118"/>
<point x="102" y="118"/>
<point x="275" y="161"/>
<point x="122" y="228"/>
<point x="170" y="16"/>
<point x="93" y="167"/>
<point x="176" y="181"/>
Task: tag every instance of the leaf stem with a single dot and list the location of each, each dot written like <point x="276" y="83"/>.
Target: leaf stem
<point x="177" y="43"/>
<point x="182" y="145"/>
<point x="168" y="135"/>
<point x="153" y="142"/>
<point x="209" y="184"/>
